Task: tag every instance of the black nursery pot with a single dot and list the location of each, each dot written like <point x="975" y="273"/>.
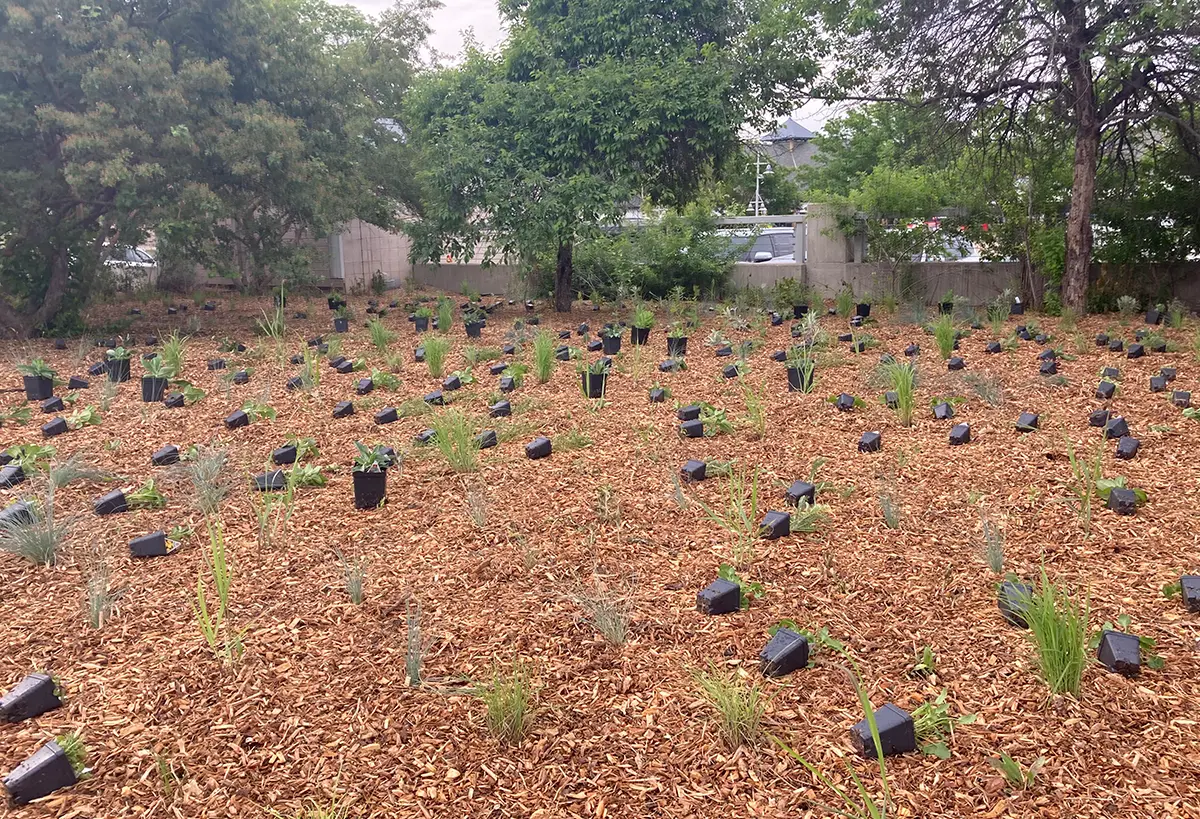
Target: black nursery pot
<point x="474" y="329"/>
<point x="946" y="308"/>
<point x="799" y="310"/>
<point x="676" y="346"/>
<point x="594" y="384"/>
<point x="370" y="488"/>
<point x="46" y="771"/>
<point x="862" y="310"/>
<point x="38" y="388"/>
<point x="639" y="335"/>
<point x="153" y="388"/>
<point x="798" y="381"/>
<point x="611" y="344"/>
<point x="111" y="504"/>
<point x="341" y="325"/>
<point x="421" y="324"/>
<point x="31" y="697"/>
<point x="118" y="369"/>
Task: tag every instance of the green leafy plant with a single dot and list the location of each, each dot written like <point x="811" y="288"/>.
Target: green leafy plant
<point x="119" y="354"/>
<point x="369" y="459"/>
<point x="643" y="317"/>
<point x="714" y="420"/>
<point x="933" y="724"/>
<point x="516" y="371"/>
<point x="31" y="457"/>
<point x="844" y="301"/>
<point x="75" y="751"/>
<point x="478" y="355"/>
<point x="146" y="496"/>
<point x="173" y="348"/>
<point x="740" y="516"/>
<point x="423" y="312"/>
<point x="36" y="368"/>
<point x="901" y="377"/>
<point x="273" y="325"/>
<point x="258" y="410"/>
<point x="1126" y="306"/>
<point x="384" y="380"/>
<point x="925" y="664"/>
<point x="740" y="707"/>
<point x="1176" y="313"/>
<point x="17" y="415"/>
<point x="157" y="367"/>
<point x="226" y="644"/>
<point x="83" y="417"/>
<point x="750" y="590"/>
<point x="305" y="447"/>
<point x="1016" y="776"/>
<point x="306" y="475"/>
<point x="998" y="311"/>
<point x="807" y="517"/>
<point x="445" y="315"/>
<point x="381" y="336"/>
<point x="1085" y="473"/>
<point x="1105" y="486"/>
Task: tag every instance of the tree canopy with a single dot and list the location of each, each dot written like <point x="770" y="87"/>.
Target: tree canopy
<point x="589" y="106"/>
<point x="222" y="125"/>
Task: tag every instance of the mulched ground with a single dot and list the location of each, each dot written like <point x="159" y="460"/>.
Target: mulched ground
<point x="320" y="707"/>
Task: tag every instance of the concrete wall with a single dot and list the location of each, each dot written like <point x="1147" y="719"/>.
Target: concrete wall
<point x="497" y="279"/>
<point x="363" y="249"/>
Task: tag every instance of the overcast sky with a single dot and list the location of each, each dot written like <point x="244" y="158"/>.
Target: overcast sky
<point x="482" y="19"/>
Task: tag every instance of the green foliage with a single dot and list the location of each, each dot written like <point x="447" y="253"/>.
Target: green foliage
<point x="510" y="703"/>
<point x="384" y="380"/>
<point x="75" y="751"/>
<point x="750" y="590"/>
<point x="740" y="707"/>
<point x="158" y="367"/>
<point x="258" y="410"/>
<point x="456" y="440"/>
<point x="17" y="415"/>
<point x="39" y="539"/>
<point x="901" y="378"/>
<point x="643" y="317"/>
<point x="1058" y="629"/>
<point x="944" y="334"/>
<point x="146" y="496"/>
<point x="1018" y="777"/>
<point x="225" y="643"/>
<point x="31" y="457"/>
<point x="445" y="315"/>
<point x="436" y="350"/>
<point x="37" y="368"/>
<point x="844" y="301"/>
<point x="381" y="336"/>
<point x="648" y="79"/>
<point x="544" y="344"/>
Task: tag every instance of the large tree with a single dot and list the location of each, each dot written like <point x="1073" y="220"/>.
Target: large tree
<point x="222" y="125"/>
<point x="1121" y="73"/>
<point x="589" y="105"/>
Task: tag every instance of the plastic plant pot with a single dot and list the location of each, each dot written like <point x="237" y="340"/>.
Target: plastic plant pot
<point x="693" y="471"/>
<point x="538" y="448"/>
<point x="719" y="597"/>
<point x="56" y="427"/>
<point x="153" y="388"/>
<point x="343" y="409"/>
<point x="118" y="369"/>
<point x="897" y="734"/>
<point x="112" y="503"/>
<point x="474" y="329"/>
<point x="43" y="773"/>
<point x="37" y="387"/>
<point x="784" y="653"/>
<point x="639" y="336"/>
<point x="370" y="488"/>
<point x="31" y="697"/>
<point x="677" y="346"/>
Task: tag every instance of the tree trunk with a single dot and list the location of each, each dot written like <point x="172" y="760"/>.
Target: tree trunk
<point x="563" y="273"/>
<point x="1083" y="185"/>
<point x="23" y="325"/>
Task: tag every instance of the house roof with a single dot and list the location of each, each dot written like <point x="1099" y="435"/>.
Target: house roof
<point x="790" y="129"/>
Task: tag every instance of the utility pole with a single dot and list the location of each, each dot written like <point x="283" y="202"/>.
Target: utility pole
<point x="762" y="168"/>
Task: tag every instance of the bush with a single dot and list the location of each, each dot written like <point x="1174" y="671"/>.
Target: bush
<point x="678" y="250"/>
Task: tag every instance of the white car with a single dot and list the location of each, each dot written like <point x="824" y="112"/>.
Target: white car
<point x="131" y="267"/>
<point x="777" y="245"/>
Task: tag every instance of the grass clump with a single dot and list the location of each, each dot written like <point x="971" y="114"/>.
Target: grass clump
<point x="740" y="708"/>
<point x="435" y="356"/>
<point x="445" y="315"/>
<point x="38" y="535"/>
<point x="608" y="613"/>
<point x="901" y="377"/>
<point x="944" y="335"/>
<point x="509" y="700"/>
<point x="456" y="441"/>
<point x="543" y="356"/>
<point x="1058" y="628"/>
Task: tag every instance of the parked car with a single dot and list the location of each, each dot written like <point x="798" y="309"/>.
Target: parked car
<point x="777" y="245"/>
<point x="131" y="267"/>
